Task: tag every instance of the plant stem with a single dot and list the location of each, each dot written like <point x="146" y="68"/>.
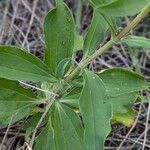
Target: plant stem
<point x="40" y="121"/>
<point x="109" y="44"/>
<point x="134" y="23"/>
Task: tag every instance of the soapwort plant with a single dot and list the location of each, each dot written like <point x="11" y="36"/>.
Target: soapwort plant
<point x="73" y="107"/>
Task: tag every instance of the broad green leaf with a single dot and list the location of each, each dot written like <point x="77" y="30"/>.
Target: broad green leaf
<point x="15" y="100"/>
<point x="120" y="81"/>
<point x="78" y="42"/>
<point x="123" y="7"/>
<point x="96" y="111"/>
<point x="123" y="88"/>
<point x="45" y="140"/>
<point x="100" y="2"/>
<point x="16" y="64"/>
<point x="68" y="132"/>
<point x="95" y="33"/>
<point x="63" y="67"/>
<point x="137" y="41"/>
<point x="59" y="35"/>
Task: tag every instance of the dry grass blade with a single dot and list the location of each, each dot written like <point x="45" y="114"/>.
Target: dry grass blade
<point x="147" y="124"/>
<point x="5" y="136"/>
<point x="40" y="121"/>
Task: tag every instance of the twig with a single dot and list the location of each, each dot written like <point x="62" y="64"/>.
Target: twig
<point x="146" y="145"/>
<point x="13" y="17"/>
<point x="39" y="89"/>
<point x="146" y="126"/>
<point x="4" y="21"/>
<point x="139" y="138"/>
<point x="40" y="121"/>
<point x="30" y="10"/>
<point x="5" y="136"/>
<point x="31" y="21"/>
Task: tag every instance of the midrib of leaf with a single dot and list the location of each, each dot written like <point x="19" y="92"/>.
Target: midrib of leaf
<point x="72" y="124"/>
<point x="62" y="126"/>
<point x="49" y="129"/>
<point x="92" y="110"/>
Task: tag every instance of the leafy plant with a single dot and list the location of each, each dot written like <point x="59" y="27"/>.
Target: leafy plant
<point x="75" y="107"/>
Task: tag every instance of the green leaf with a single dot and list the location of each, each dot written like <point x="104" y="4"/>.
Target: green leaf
<point x="78" y="42"/>
<point x="95" y="33"/>
<point x="119" y="81"/>
<point x="100" y="2"/>
<point x="123" y="7"/>
<point x="137" y="41"/>
<point x="59" y="35"/>
<point x="72" y="98"/>
<point x="16" y="64"/>
<point x="68" y="132"/>
<point x="123" y="88"/>
<point x="79" y="14"/>
<point x="122" y="108"/>
<point x="45" y="139"/>
<point x="96" y="111"/>
<point x="107" y="19"/>
<point x="15" y="100"/>
<point x="127" y="118"/>
<point x="63" y="67"/>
